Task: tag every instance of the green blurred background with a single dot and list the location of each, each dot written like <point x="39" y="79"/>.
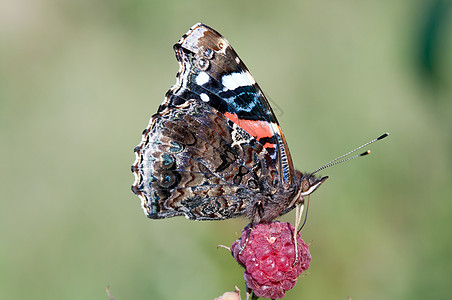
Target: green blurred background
<point x="80" y="79"/>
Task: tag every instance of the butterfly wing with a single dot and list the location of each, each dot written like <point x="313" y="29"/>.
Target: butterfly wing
<point x="214" y="145"/>
<point x="193" y="161"/>
<point x="210" y="70"/>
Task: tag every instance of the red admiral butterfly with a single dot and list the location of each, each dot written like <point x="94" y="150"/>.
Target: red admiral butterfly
<point x="214" y="149"/>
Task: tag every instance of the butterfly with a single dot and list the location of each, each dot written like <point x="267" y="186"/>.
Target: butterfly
<point x="214" y="150"/>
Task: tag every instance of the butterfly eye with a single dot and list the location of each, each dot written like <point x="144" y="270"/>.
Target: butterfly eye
<point x="305" y="185"/>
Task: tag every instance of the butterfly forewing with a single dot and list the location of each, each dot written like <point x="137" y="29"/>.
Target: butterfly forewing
<point x="211" y="70"/>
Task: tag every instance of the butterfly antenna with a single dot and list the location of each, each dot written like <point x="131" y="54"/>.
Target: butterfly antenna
<point x="339" y="159"/>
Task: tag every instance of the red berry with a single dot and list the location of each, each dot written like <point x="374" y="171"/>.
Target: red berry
<point x="268" y="258"/>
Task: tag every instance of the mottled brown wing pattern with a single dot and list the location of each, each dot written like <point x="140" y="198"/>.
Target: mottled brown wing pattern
<point x="214" y="150"/>
<point x="193" y="161"/>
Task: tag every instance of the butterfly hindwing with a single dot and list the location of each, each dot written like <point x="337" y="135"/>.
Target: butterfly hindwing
<point x="193" y="161"/>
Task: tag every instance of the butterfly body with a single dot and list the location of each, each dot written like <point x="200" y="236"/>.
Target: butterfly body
<point x="214" y="149"/>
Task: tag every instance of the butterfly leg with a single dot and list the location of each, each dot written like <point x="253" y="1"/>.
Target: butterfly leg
<point x="257" y="212"/>
<point x="298" y="214"/>
<point x="247" y="238"/>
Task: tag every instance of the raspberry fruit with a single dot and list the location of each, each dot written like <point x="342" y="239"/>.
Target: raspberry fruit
<point x="269" y="256"/>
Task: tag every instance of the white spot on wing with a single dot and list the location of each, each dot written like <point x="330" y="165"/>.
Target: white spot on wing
<point x="204" y="97"/>
<point x="235" y="80"/>
<point x="237" y="60"/>
<point x="250" y="77"/>
<point x="202" y="78"/>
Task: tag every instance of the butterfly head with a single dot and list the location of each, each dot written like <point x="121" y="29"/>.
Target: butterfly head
<point x="307" y="184"/>
<point x="310" y="182"/>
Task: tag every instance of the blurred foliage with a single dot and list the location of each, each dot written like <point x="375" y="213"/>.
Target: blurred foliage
<point x="80" y="79"/>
